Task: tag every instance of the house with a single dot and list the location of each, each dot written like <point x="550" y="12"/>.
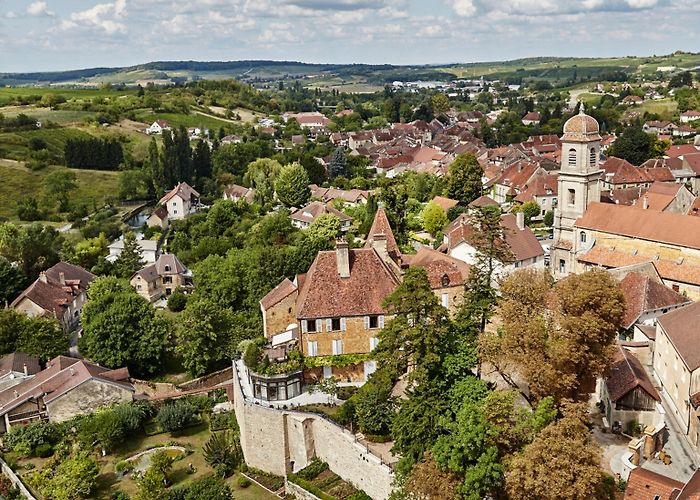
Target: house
<point x="627" y="393"/>
<point x="621" y="174"/>
<point x="658" y="127"/>
<point x="445" y="203"/>
<point x="157" y="127"/>
<point x="667" y="197"/>
<point x="304" y="217"/>
<point x="448" y="276"/>
<point x="514" y="179"/>
<point x="308" y="119"/>
<point x="646" y="297"/>
<point x="676" y="363"/>
<point x="17" y="367"/>
<point x="684" y="131"/>
<point x="461" y="240"/>
<point x="531" y="118"/>
<point x="236" y="193"/>
<point x="231" y="139"/>
<point x="483" y="201"/>
<point x="161" y="279"/>
<point x="159" y="218"/>
<point x="58" y="292"/>
<point x="180" y="201"/>
<point x="632" y="100"/>
<point x="543" y="190"/>
<point x="66" y="388"/>
<point x="350" y="197"/>
<point x="148" y="250"/>
<point x="690" y="116"/>
<point x="644" y="484"/>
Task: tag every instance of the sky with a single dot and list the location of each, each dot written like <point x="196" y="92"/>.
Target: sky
<point x="48" y="35"/>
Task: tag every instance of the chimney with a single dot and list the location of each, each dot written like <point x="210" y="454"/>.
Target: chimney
<point x="72" y="371"/>
<point x="42" y="276"/>
<point x="62" y="278"/>
<point x="379" y="244"/>
<point x="342" y="257"/>
<point x="645" y="203"/>
<point x="25" y="369"/>
<point x="520" y="220"/>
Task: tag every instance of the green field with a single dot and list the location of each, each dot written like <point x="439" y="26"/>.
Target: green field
<point x="17" y="183"/>
<point x="61" y="117"/>
<point x="175" y="120"/>
<point x="68" y="93"/>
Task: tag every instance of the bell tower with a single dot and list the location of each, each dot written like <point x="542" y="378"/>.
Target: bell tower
<point x="579" y="185"/>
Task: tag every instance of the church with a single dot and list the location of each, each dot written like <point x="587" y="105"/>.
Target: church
<point x="588" y="233"/>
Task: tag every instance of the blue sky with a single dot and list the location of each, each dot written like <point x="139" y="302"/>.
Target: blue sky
<point x="69" y="34"/>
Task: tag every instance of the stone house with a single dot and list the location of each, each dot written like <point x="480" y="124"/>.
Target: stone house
<point x="180" y="201"/>
<point x="351" y="197"/>
<point x="235" y="193"/>
<point x="58" y="292"/>
<point x="66" y="388"/>
<point x="667" y="197"/>
<point x="543" y="190"/>
<point x="676" y="366"/>
<point x="159" y="218"/>
<point x="305" y="216"/>
<point x="627" y="393"/>
<point x="161" y="278"/>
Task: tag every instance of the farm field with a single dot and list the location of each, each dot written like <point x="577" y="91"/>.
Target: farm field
<point x="191" y="120"/>
<point x="62" y="117"/>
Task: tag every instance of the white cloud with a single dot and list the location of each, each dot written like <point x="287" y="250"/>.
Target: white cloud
<point x="39" y="9"/>
<point x="102" y="17"/>
<point x="464" y="8"/>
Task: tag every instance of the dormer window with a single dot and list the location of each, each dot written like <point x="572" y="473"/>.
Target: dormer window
<point x="167" y="268"/>
<point x="445" y="280"/>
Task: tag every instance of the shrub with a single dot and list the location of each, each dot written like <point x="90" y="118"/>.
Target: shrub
<point x="223" y="420"/>
<point x="244" y="482"/>
<point x="312" y="470"/>
<point x="346" y="413"/>
<point x="43" y="450"/>
<point x="25" y="439"/>
<point x="223" y="452"/>
<point x="201" y="403"/>
<point x="175" y="416"/>
<point x="346" y="392"/>
<point x="177" y="301"/>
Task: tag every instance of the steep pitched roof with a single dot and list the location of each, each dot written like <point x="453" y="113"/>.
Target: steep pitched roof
<point x="315" y="209"/>
<point x="625" y="374"/>
<point x="645" y="294"/>
<point x="445" y="203"/>
<point x="324" y="294"/>
<point x="539" y="185"/>
<point x="660" y="195"/>
<point x="440" y="267"/>
<point x="644" y="484"/>
<point x="16" y="362"/>
<point x="381" y="225"/>
<point x="484" y="201"/>
<point x="168" y="263"/>
<point x="184" y="190"/>
<point x="681" y="328"/>
<point x="619" y="171"/>
<point x="663" y="227"/>
<point x="277" y="294"/>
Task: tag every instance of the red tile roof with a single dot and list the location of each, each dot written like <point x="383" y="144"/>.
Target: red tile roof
<point x="440" y="266"/>
<point x="644" y="294"/>
<point x="662" y="227"/>
<point x="381" y="225"/>
<point x="325" y="294"/>
<point x="445" y="203"/>
<point x="184" y="190"/>
<point x="315" y="209"/>
<point x="625" y="374"/>
<point x="619" y="171"/>
<point x="681" y="328"/>
<point x="484" y="201"/>
<point x="644" y="484"/>
<point x="277" y="294"/>
<point x="539" y="185"/>
<point x="680" y="150"/>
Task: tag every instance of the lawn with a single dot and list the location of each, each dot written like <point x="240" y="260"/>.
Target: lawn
<point x="59" y="116"/>
<point x="665" y="107"/>
<point x="68" y="93"/>
<point x="18" y="182"/>
<point x="15" y="145"/>
<point x="195" y="437"/>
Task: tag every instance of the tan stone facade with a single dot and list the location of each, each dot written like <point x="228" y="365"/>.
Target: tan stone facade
<point x="333" y="336"/>
<point x="86" y="398"/>
<point x="278" y="317"/>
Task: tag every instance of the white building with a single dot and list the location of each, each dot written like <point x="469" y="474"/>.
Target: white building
<point x="157" y="127"/>
<point x="180" y="201"/>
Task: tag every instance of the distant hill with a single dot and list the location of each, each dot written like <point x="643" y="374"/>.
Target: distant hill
<point x="553" y="69"/>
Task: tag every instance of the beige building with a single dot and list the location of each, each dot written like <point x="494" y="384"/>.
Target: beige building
<point x="58" y="292"/>
<point x="180" y="201"/>
<point x="677" y="367"/>
<point x="161" y="278"/>
<point x="66" y="388"/>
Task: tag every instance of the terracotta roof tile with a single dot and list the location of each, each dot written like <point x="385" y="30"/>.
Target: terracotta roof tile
<point x="484" y="201"/>
<point x="681" y="328"/>
<point x="184" y="190"/>
<point x="445" y="203"/>
<point x="662" y="227"/>
<point x="16" y="361"/>
<point x="381" y="225"/>
<point x="315" y="209"/>
<point x="644" y="484"/>
<point x="625" y="374"/>
<point x="277" y="294"/>
<point x="645" y="294"/>
<point x="619" y="171"/>
<point x="325" y="294"/>
<point x="438" y="265"/>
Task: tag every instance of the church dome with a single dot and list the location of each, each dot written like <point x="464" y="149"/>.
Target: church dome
<point x="581" y="128"/>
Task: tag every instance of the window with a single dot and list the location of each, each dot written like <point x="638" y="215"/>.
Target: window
<point x="373" y="343"/>
<point x="583" y="236"/>
<point x="167" y="280"/>
<point x="572" y="196"/>
<point x="167" y="268"/>
<point x="312" y="348"/>
<point x="334" y="324"/>
<point x="676" y="288"/>
<point x="309" y="326"/>
<point x="168" y="291"/>
<point x="371" y="322"/>
<point x="572" y="157"/>
<point x="445" y="280"/>
<point x="562" y="266"/>
<point x="445" y="300"/>
<point x="174" y="211"/>
<point x="174" y="203"/>
<point x="517" y="264"/>
<point x="337" y="347"/>
<point x="594" y="157"/>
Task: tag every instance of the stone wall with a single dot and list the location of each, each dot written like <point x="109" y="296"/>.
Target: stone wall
<point x="355" y="337"/>
<point x="299" y="492"/>
<point x="278" y="317"/>
<point x="15" y="480"/>
<point x="86" y="398"/>
<point x="283" y="441"/>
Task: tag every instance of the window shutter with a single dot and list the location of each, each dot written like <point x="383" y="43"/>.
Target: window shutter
<point x="381" y="321"/>
<point x="304" y="329"/>
<point x="343" y="324"/>
<point x="329" y="325"/>
<point x="319" y="324"/>
<point x="366" y="322"/>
